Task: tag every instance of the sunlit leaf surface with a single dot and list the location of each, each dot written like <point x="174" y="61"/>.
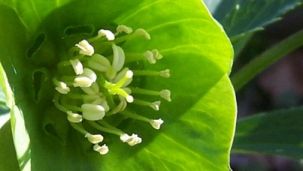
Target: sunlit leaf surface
<point x="199" y="122"/>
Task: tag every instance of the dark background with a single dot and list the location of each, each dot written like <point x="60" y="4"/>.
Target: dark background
<point x="279" y="87"/>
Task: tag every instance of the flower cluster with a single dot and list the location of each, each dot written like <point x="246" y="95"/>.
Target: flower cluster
<point x="94" y="84"/>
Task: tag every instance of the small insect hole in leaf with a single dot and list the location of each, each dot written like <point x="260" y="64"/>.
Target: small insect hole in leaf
<point x="36" y="45"/>
<point x="51" y="130"/>
<point x="82" y="29"/>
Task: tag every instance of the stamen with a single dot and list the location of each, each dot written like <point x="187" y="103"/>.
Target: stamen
<point x="82" y="81"/>
<point x="143" y="33"/>
<point x="120" y="107"/>
<point x="85" y="48"/>
<point x="86" y="79"/>
<point x="101" y="149"/>
<point x="90" y="74"/>
<point x="124" y="28"/>
<point x="107" y="33"/>
<point x="157" y="54"/>
<point x="92" y="90"/>
<point x="57" y="104"/>
<point x="135" y="116"/>
<point x="74" y="117"/>
<point x="156" y="123"/>
<point x="150" y="57"/>
<point x="154" y="105"/>
<point x="108" y="128"/>
<point x="118" y="58"/>
<point x="166" y="94"/>
<point x="77" y="66"/>
<point x="164" y="73"/>
<point x="61" y="87"/>
<point x="94" y="139"/>
<point x="93" y="112"/>
<point x="99" y="63"/>
<point x="79" y="128"/>
<point x="131" y="140"/>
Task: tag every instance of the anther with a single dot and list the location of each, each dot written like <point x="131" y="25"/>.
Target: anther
<point x="94" y="139"/>
<point x="149" y="56"/>
<point x="124" y="29"/>
<point x="154" y="105"/>
<point x="82" y="81"/>
<point x="86" y="79"/>
<point x="77" y="66"/>
<point x="61" y="87"/>
<point x="130" y="139"/>
<point x="156" y="123"/>
<point x="143" y="33"/>
<point x="93" y="112"/>
<point x="85" y="48"/>
<point x="107" y="33"/>
<point x="101" y="149"/>
<point x="157" y="54"/>
<point x="165" y="73"/>
<point x="74" y="117"/>
<point x="165" y="94"/>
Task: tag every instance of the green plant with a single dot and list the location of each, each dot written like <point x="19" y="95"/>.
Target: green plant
<point x="39" y="37"/>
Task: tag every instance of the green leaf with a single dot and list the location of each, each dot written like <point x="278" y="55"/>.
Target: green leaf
<point x="275" y="133"/>
<point x="8" y="154"/>
<point x="199" y="122"/>
<point x="32" y="12"/>
<point x="240" y="17"/>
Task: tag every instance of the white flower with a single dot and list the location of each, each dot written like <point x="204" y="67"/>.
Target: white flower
<point x="156" y="123"/>
<point x="95" y="139"/>
<point x="93" y="112"/>
<point x="107" y="33"/>
<point x="85" y="48"/>
<point x="74" y="117"/>
<point x="101" y="149"/>
<point x="62" y="87"/>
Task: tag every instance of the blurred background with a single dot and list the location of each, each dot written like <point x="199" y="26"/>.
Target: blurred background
<point x="279" y="87"/>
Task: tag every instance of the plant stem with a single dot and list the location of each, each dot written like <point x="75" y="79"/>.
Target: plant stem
<point x="267" y="58"/>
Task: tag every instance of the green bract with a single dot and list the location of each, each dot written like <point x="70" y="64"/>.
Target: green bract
<point x="199" y="121"/>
